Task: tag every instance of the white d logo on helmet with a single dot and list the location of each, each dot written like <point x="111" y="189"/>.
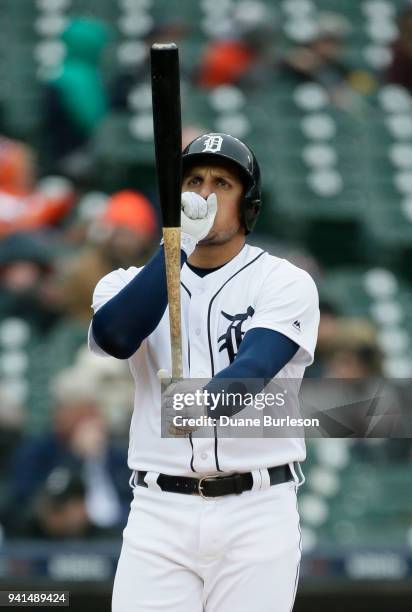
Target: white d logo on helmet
<point x="213" y="144"/>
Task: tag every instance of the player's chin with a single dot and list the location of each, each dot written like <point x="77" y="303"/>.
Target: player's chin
<point x="210" y="239"/>
<point x="216" y="238"/>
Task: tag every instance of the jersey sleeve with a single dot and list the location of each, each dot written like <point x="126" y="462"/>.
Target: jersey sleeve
<point x="290" y="305"/>
<point x="106" y="288"/>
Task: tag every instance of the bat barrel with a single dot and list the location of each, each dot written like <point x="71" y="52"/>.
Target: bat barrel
<point x="167" y="129"/>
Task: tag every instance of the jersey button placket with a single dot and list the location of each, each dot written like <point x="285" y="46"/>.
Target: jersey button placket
<point x="199" y="356"/>
<point x="203" y="453"/>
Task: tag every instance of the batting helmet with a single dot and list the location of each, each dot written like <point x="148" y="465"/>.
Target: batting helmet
<point x="227" y="147"/>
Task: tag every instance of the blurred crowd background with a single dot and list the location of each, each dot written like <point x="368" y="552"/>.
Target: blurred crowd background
<point x="321" y="90"/>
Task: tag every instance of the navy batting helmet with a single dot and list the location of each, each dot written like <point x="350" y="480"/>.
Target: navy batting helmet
<point x="227" y="147"/>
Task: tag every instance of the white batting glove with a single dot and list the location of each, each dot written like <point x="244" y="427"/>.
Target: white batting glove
<point x="198" y="216"/>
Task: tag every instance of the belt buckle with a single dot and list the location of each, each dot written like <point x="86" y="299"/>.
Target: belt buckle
<point x="199" y="486"/>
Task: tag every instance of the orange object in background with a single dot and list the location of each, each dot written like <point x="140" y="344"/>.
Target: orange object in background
<point x="25" y="205"/>
<point x="17" y="167"/>
<point x="132" y="210"/>
<point x="45" y="206"/>
<point x="224" y="62"/>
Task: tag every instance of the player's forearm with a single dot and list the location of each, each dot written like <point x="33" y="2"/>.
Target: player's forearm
<point x="120" y="326"/>
<point x="262" y="354"/>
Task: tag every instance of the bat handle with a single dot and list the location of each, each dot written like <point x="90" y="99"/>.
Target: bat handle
<point x="171" y="238"/>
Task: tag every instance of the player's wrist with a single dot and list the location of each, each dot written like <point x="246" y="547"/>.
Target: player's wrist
<point x="187" y="244"/>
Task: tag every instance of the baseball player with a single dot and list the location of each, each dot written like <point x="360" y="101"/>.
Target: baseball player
<point x="213" y="524"/>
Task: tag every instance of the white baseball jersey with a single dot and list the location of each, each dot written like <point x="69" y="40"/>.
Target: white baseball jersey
<point x="252" y="290"/>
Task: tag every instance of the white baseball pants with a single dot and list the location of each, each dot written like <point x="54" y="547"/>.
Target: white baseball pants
<point x="182" y="553"/>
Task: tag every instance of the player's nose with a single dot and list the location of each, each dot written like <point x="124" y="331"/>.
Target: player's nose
<point x="207" y="189"/>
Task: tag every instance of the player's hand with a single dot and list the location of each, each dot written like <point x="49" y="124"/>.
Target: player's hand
<point x="170" y="412"/>
<point x="198" y="216"/>
<point x="169" y="409"/>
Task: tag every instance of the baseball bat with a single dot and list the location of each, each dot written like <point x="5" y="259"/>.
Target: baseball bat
<point x="168" y="149"/>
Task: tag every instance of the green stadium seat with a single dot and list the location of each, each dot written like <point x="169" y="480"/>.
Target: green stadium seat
<point x="122" y="160"/>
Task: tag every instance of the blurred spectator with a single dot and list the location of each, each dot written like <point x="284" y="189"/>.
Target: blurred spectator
<point x="130" y="220"/>
<point x="128" y="78"/>
<point x="76" y="99"/>
<point x="49" y="285"/>
<point x="90" y="206"/>
<point x="321" y="60"/>
<point x="25" y="204"/>
<point x="60" y="511"/>
<point x="246" y="54"/>
<point x="78" y="440"/>
<point x="26" y="263"/>
<point x="400" y="69"/>
<point x="121" y="236"/>
<point x="224" y="62"/>
<point x="354" y="351"/>
<point x="106" y="381"/>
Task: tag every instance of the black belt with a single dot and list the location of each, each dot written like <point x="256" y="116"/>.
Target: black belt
<point x="215" y="486"/>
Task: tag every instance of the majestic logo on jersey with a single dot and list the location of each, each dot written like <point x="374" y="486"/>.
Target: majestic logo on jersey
<point x="213" y="144"/>
<point x="233" y="337"/>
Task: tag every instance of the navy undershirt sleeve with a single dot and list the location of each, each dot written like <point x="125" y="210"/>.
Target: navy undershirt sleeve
<point x="120" y="326"/>
<point x="262" y="354"/>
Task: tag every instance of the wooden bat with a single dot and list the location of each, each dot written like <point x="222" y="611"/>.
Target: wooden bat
<point x="168" y="149"/>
